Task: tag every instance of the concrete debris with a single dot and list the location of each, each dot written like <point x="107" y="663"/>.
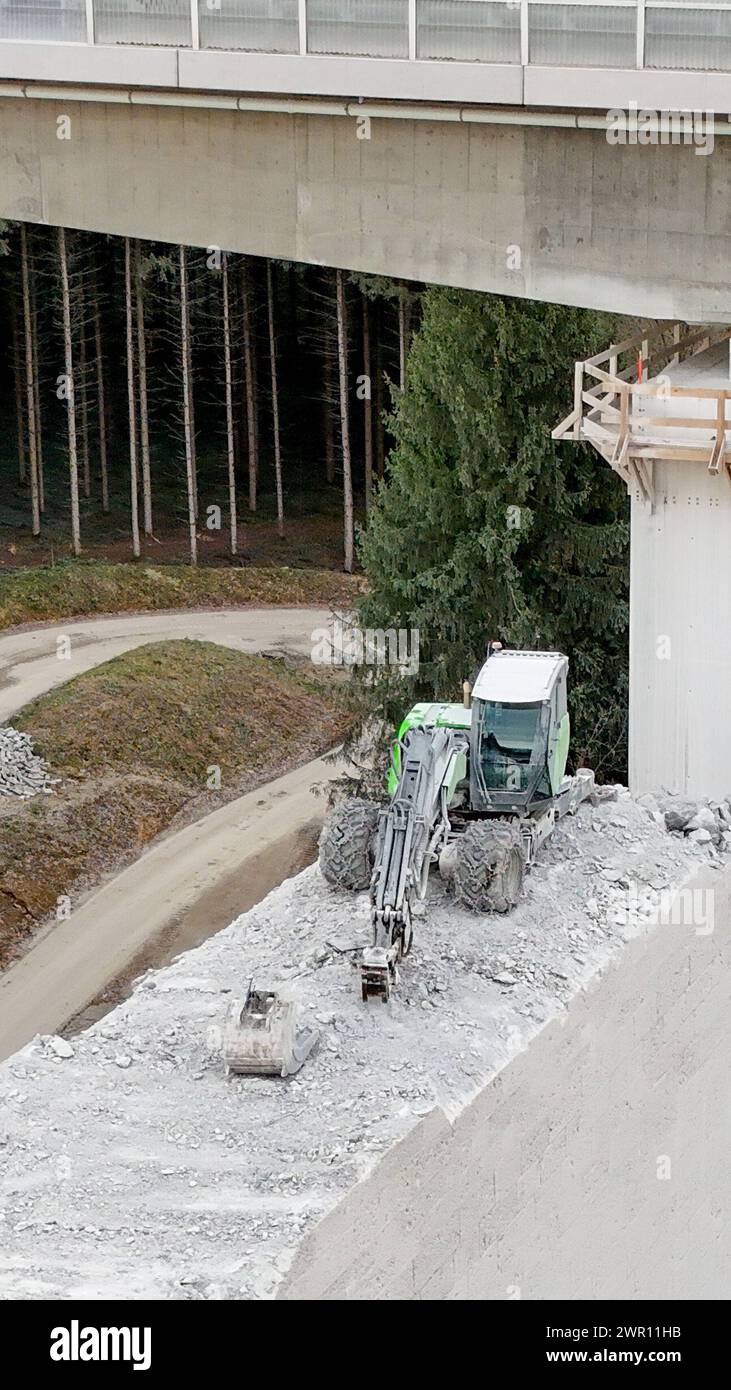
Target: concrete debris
<point x="678" y="813"/>
<point x="22" y="772"/>
<point x="712" y="818"/>
<point x="704" y="819"/>
<point x="60" y="1047"/>
<point x="196" y="1185"/>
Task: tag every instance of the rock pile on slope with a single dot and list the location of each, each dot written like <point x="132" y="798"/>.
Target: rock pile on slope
<point x="132" y="1167"/>
<point x="705" y="822"/>
<point x="22" y="772"/>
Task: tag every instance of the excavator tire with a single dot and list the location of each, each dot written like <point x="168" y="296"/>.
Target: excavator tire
<point x="490" y="867"/>
<point x="348" y="844"/>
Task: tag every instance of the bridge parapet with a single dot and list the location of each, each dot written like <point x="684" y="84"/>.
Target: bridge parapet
<point x="660" y="35"/>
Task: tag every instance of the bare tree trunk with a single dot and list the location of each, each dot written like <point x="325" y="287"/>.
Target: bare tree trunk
<point x="329" y="432"/>
<point x="368" y="418"/>
<point x="251" y="423"/>
<point x="142" y="369"/>
<point x="345" y="422"/>
<point x="402" y="341"/>
<point x="37" y="393"/>
<point x="19" y="415"/>
<point x="29" y="383"/>
<point x="101" y="403"/>
<point x="380" y="450"/>
<point x="255" y="381"/>
<point x="70" y="396"/>
<point x="229" y="408"/>
<point x="187" y="415"/>
<point x="131" y="398"/>
<point x="275" y="403"/>
<point x="86" y="469"/>
<point x="191" y="398"/>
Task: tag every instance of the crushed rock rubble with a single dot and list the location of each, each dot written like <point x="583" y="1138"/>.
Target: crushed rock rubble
<point x="131" y="1166"/>
<point x="22" y="772"/>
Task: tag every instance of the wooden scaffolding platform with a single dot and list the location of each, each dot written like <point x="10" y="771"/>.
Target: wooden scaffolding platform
<point x="631" y="405"/>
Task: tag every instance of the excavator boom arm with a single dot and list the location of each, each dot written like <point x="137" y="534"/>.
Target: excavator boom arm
<point x="433" y="761"/>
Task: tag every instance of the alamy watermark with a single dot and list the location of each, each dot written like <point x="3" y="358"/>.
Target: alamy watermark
<point x="637" y="125"/>
<point x="79" y="1343"/>
<point x="344" y="645"/>
<point x="679" y="907"/>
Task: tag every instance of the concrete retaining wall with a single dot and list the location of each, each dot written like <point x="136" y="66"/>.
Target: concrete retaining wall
<point x="594" y="1165"/>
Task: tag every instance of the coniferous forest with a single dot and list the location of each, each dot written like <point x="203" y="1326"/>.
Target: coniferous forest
<point x="181" y="403"/>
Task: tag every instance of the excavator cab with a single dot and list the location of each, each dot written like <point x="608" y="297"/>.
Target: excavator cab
<point x="519" y="734"/>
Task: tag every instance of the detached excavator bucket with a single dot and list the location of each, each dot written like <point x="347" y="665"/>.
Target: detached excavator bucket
<point x="261" y="1038"/>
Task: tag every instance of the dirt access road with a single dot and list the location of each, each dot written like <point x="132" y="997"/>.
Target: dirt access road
<point x="189" y="883"/>
<point x="34" y="660"/>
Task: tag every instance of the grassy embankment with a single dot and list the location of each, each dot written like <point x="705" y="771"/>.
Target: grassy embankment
<point x="75" y="588"/>
<point x="133" y="742"/>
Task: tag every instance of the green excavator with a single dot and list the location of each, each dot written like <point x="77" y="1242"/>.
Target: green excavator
<point x="475" y="788"/>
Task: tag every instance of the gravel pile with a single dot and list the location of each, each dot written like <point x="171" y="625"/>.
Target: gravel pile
<point x="131" y="1166"/>
<point x="22" y="772"/>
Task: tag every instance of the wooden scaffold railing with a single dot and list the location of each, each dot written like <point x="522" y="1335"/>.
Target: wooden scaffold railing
<point x="609" y="412"/>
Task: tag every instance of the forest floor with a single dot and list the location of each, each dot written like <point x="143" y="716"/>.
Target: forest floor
<point x="144" y="743"/>
<point x="313" y="531"/>
<point x="40" y="580"/>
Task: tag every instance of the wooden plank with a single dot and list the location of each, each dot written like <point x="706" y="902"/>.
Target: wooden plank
<point x="562" y="430"/>
<point x="660" y="451"/>
<point x="682" y="422"/>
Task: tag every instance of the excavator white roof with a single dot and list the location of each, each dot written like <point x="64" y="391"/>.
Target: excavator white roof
<point x="518" y="678"/>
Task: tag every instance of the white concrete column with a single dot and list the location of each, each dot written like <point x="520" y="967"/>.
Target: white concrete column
<point x="89" y="21"/>
<point x="680" y="634"/>
<point x="302" y="18"/>
<point x="195" y="41"/>
<point x="412" y="28"/>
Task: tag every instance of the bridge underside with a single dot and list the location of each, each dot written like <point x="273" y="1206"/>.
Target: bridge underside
<point x="547" y="213"/>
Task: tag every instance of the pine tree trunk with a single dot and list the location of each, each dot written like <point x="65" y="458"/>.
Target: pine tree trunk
<point x="229" y="409"/>
<point x="345" y="422"/>
<point x="30" y="383"/>
<point x="329" y="432"/>
<point x="39" y="423"/>
<point x="380" y="450"/>
<point x="70" y="396"/>
<point x="251" y="423"/>
<point x="101" y="403"/>
<point x="19" y="415"/>
<point x="191" y="397"/>
<point x="275" y="403"/>
<point x="402" y="342"/>
<point x="368" y="418"/>
<point x="86" y="467"/>
<point x="142" y="369"/>
<point x="131" y="398"/>
<point x="187" y="416"/>
<point x="255" y="380"/>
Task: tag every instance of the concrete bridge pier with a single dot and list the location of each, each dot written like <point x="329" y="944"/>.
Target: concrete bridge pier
<point x="680" y="633"/>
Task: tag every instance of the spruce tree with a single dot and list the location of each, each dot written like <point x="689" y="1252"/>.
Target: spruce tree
<point x="486" y="528"/>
